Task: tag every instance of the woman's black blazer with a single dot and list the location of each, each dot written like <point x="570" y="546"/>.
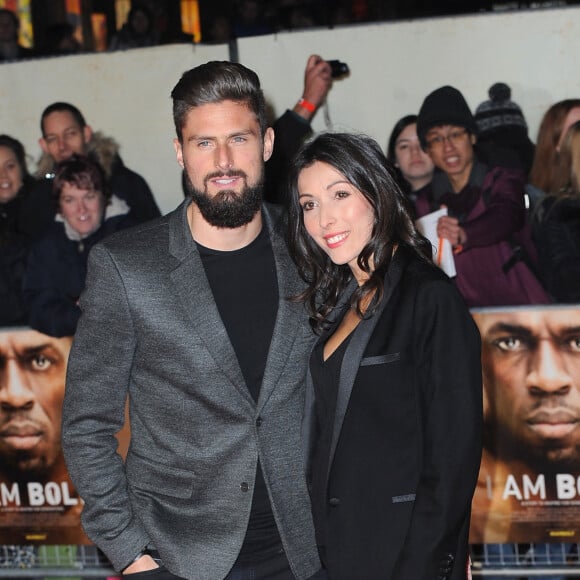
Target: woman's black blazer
<point x="406" y="443"/>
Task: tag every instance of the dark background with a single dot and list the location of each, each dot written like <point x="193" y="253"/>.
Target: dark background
<point x="274" y="15"/>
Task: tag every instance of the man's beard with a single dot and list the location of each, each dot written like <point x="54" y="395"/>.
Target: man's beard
<point x="227" y="208"/>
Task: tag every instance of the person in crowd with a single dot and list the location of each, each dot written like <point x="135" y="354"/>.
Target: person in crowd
<point x="546" y="175"/>
<point x="299" y="17"/>
<point x="137" y="32"/>
<point x="66" y="133"/>
<point x="531" y="379"/>
<point x="404" y="151"/>
<point x="10" y="49"/>
<point x="252" y="18"/>
<point x="391" y="470"/>
<point x="293" y="127"/>
<point x="55" y="274"/>
<point x="15" y="185"/>
<point x="32" y="385"/>
<point x="556" y="226"/>
<point x="188" y="316"/>
<point x="59" y="40"/>
<point x="501" y="126"/>
<point x="219" y="30"/>
<point x="494" y="256"/>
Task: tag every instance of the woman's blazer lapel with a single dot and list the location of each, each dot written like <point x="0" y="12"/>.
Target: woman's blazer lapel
<point x="355" y="350"/>
<point x="309" y="419"/>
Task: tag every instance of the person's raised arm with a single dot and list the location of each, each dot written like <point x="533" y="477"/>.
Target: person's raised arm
<point x="317" y="83"/>
<point x="293" y="127"/>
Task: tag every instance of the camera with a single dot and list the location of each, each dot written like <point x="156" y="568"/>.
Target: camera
<point x="338" y="69"/>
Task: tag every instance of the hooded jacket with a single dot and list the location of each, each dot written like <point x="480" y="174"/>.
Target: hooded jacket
<point x="38" y="211"/>
<point x="56" y="271"/>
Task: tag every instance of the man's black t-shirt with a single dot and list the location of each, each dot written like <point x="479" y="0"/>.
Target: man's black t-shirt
<point x="245" y="289"/>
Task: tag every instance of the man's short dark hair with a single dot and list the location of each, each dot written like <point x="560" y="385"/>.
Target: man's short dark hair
<point x="214" y="82"/>
<point x="61" y="107"/>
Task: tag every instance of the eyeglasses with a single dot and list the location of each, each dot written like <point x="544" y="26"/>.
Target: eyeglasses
<point x="453" y="138"/>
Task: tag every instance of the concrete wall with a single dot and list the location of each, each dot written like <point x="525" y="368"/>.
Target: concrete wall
<point x="124" y="94"/>
<point x="393" y="66"/>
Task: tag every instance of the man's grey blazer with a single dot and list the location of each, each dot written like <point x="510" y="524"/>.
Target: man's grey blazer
<point x="150" y="329"/>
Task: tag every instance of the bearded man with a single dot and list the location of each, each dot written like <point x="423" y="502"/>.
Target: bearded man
<point x="188" y="316"/>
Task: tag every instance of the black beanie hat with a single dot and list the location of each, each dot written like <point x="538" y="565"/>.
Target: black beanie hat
<point x="444" y="106"/>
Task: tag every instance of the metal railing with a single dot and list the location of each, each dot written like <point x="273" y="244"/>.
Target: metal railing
<point x="54" y="562"/>
<point x="525" y="560"/>
<point x="497" y="560"/>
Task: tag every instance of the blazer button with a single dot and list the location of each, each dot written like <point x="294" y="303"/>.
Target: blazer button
<point x="334" y="501"/>
<point x="244" y="486"/>
<point x="258" y="421"/>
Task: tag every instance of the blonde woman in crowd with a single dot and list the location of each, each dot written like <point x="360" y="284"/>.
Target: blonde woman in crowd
<point x="556" y="224"/>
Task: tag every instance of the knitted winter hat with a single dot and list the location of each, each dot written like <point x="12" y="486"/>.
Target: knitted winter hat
<point x="444" y="106"/>
<point x="499" y="112"/>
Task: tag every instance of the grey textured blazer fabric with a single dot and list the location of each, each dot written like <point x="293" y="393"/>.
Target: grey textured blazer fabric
<point x="150" y="329"/>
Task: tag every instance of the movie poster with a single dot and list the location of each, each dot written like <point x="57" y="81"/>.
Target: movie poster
<point x="38" y="502"/>
<point x="529" y="483"/>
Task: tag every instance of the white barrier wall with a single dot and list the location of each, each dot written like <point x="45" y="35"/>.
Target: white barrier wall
<point x="393" y="66"/>
<point x="123" y="94"/>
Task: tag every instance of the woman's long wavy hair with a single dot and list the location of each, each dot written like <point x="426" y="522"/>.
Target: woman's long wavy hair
<point x="18" y="149"/>
<point x="547" y="173"/>
<point x="360" y="160"/>
<point x="570" y="153"/>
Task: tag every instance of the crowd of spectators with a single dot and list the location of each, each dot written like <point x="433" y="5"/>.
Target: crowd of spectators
<point x="513" y="206"/>
<point x="512" y="211"/>
<point x="81" y="193"/>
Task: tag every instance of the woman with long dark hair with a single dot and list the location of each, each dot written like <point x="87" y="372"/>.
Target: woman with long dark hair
<point x="15" y="183"/>
<point x="404" y="151"/>
<point x="393" y="405"/>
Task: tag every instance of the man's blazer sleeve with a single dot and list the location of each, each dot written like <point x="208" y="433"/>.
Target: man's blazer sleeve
<point x="98" y="377"/>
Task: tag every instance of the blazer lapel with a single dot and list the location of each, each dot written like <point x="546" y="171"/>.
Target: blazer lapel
<point x="309" y="419"/>
<point x="291" y="318"/>
<point x="356" y="347"/>
<point x="197" y="301"/>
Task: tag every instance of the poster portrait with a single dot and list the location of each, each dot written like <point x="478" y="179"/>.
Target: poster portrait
<point x="38" y="503"/>
<point x="529" y="482"/>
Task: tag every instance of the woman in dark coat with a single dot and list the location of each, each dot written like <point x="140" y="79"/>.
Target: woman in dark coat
<point x="393" y="405"/>
<point x="556" y="226"/>
<point x="15" y="183"/>
<point x="55" y="275"/>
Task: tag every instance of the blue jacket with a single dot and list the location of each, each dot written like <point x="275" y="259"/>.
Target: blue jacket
<point x="55" y="277"/>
